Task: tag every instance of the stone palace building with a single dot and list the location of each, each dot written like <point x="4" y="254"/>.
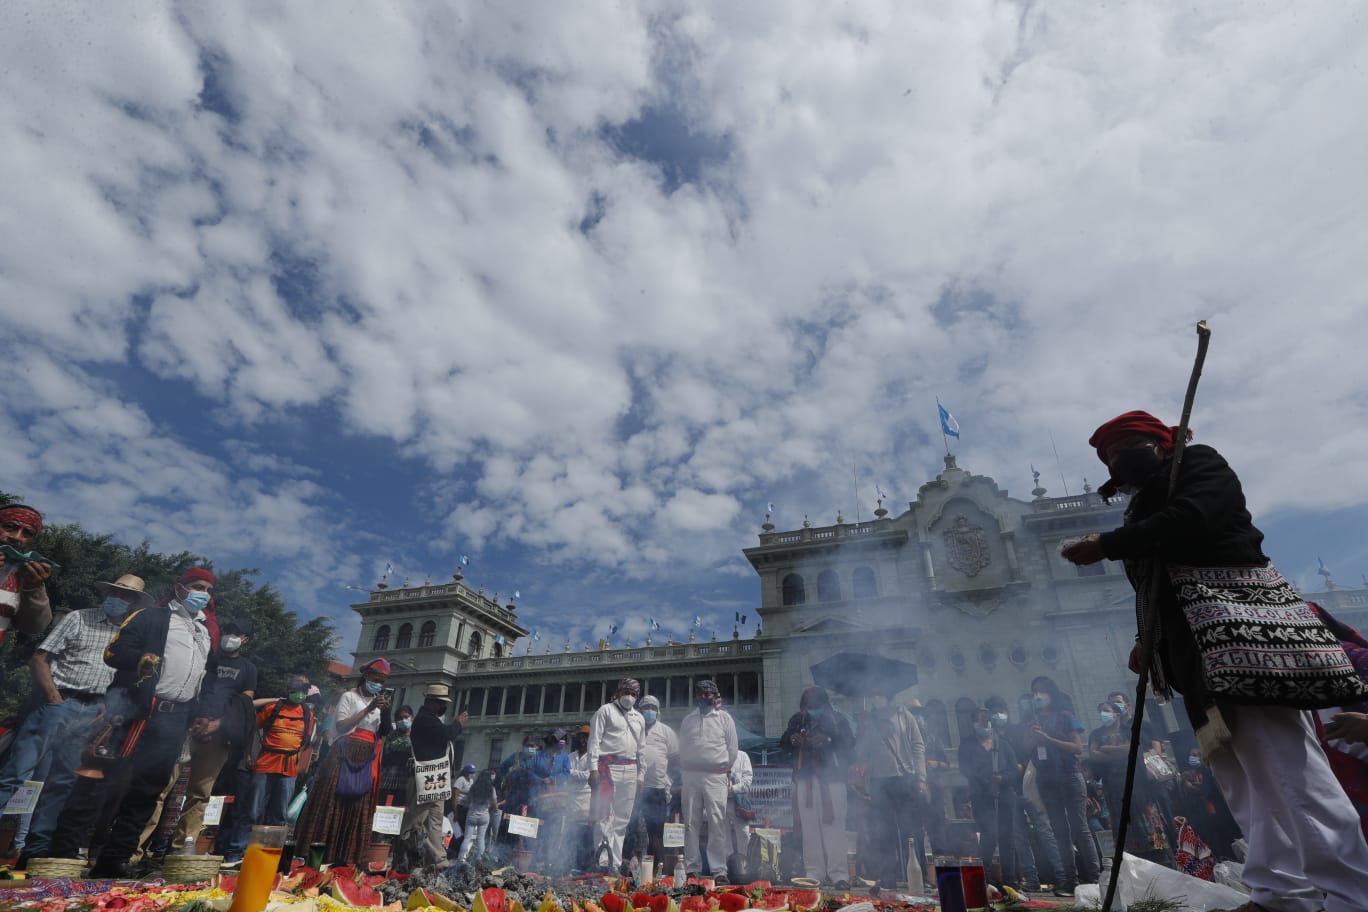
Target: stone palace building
<point x="967" y="583"/>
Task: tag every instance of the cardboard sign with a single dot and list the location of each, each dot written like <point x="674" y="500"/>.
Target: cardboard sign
<point x="388" y="820"/>
<point x="24" y="799"/>
<point x="771" y="795"/>
<point x="673" y="836"/>
<point x="213" y="810"/>
<point x="519" y="825"/>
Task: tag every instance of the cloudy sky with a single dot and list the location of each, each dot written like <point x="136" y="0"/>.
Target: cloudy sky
<point x="577" y="288"/>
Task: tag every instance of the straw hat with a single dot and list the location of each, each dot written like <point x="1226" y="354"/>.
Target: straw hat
<point x="128" y="587"/>
<point x="438" y="692"/>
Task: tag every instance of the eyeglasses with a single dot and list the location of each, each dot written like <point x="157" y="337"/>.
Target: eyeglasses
<point x="19" y="529"/>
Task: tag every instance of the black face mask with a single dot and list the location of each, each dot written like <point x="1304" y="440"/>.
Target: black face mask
<point x="1135" y="465"/>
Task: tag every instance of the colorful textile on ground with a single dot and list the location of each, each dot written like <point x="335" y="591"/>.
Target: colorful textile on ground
<point x="1193" y="857"/>
<point x="1260" y="643"/>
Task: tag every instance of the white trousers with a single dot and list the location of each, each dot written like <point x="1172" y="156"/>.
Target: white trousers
<point x="824" y="844"/>
<point x="612" y="826"/>
<point x="1306" y="851"/>
<point x="704" y="798"/>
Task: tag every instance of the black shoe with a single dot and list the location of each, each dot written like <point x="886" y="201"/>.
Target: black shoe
<point x="721" y="880"/>
<point x="1063" y="890"/>
<point x="113" y="870"/>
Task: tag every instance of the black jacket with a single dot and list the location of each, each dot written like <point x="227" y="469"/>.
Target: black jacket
<point x="428" y="736"/>
<point x="142" y="633"/>
<point x="1205" y="524"/>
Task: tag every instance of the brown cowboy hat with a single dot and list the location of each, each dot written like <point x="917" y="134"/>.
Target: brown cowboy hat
<point x="128" y="587"/>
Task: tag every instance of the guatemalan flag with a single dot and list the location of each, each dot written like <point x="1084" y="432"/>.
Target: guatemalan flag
<point x="949" y="426"/>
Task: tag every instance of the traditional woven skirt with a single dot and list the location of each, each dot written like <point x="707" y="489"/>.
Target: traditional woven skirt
<point x="342" y="824"/>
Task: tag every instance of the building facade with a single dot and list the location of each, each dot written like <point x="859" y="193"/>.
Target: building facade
<point x="967" y="583"/>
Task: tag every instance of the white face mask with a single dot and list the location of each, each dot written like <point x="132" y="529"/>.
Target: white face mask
<point x="626" y="701"/>
<point x="1107" y="718"/>
<point x="230" y="642"/>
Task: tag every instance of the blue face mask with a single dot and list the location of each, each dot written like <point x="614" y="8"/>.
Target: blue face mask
<point x="374" y="687"/>
<point x="1040" y="701"/>
<point x="404" y="724"/>
<point x="195" y="601"/>
<point x="114" y="607"/>
<point x="651" y="715"/>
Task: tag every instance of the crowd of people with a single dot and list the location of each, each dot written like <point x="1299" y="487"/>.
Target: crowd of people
<point x="138" y="693"/>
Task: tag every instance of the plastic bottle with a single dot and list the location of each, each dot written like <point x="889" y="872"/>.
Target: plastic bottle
<point x="681" y="876"/>
<point x="188" y="847"/>
<point x="635" y="868"/>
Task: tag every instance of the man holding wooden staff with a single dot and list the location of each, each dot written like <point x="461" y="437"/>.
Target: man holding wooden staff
<point x="1248" y="655"/>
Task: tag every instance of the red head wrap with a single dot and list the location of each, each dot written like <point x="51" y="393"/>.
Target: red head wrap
<point x="195" y="575"/>
<point x="380" y="665"/>
<point x="22" y="513"/>
<point x="1129" y="424"/>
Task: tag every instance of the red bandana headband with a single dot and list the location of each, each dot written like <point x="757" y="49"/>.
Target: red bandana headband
<point x="24" y="515"/>
<point x="1131" y="424"/>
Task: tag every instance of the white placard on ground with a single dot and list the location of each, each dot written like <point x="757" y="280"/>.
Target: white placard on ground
<point x="673" y="836"/>
<point x="24" y="799"/>
<point x="388" y="820"/>
<point x="213" y="810"/>
<point x="519" y="825"/>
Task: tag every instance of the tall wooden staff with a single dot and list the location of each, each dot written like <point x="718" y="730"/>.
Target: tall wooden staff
<point x="1147" y="634"/>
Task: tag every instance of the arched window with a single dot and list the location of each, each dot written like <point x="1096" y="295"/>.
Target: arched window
<point x="428" y="635"/>
<point x="405" y="638"/>
<point x="476" y="642"/>
<point x="828" y="586"/>
<point x="381" y="639"/>
<point x="865" y="584"/>
<point x="794" y="591"/>
<point x="496" y="650"/>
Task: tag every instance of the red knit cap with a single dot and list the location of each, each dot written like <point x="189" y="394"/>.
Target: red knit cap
<point x="195" y="575"/>
<point x="1129" y="424"/>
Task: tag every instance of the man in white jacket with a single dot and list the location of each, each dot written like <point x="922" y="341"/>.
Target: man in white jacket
<point x="707" y="752"/>
<point x="616" y="735"/>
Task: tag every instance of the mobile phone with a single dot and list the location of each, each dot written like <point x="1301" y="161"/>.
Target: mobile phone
<point x="389" y="694"/>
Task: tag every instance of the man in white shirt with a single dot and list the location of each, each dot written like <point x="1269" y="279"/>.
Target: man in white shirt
<point x="707" y="752"/>
<point x="616" y="736"/>
<point x="659" y="766"/>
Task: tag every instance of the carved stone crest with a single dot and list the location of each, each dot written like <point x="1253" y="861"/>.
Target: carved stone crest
<point x="966" y="547"/>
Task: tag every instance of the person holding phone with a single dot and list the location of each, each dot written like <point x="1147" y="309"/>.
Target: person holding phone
<point x="341" y="803"/>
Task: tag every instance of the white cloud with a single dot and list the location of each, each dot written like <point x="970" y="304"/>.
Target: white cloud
<point x="1021" y="208"/>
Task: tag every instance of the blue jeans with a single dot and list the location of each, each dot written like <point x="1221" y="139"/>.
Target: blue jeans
<point x="55" y="733"/>
<point x="1037" y="869"/>
<point x="271" y="794"/>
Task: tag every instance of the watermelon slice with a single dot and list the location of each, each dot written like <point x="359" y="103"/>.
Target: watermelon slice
<point x="227" y="882"/>
<point x="732" y="902"/>
<point x="614" y="902"/>
<point x="346" y="890"/>
<point x="697" y="904"/>
<point x="802" y="900"/>
<point x="490" y="899"/>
